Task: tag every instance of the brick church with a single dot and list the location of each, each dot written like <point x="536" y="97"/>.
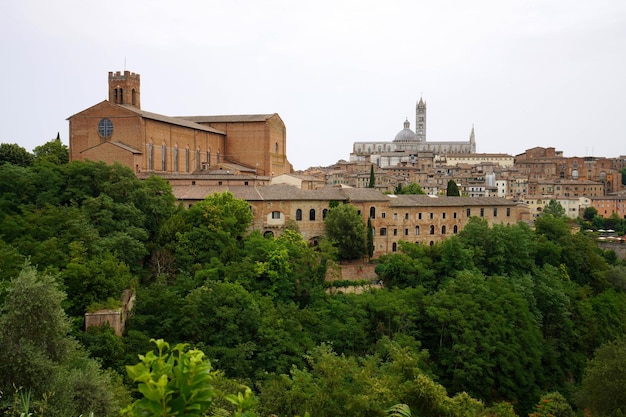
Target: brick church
<point x="118" y="130"/>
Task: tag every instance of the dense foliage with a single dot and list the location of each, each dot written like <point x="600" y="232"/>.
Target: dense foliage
<point x="493" y="319"/>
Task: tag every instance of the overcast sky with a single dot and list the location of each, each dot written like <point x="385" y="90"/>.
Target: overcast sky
<point x="524" y="73"/>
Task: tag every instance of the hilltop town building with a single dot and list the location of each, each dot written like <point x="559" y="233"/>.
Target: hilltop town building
<point x="118" y="130"/>
<point x="407" y="145"/>
<point x="394" y="218"/>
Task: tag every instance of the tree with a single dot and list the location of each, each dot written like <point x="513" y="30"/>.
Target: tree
<point x="553" y="405"/>
<point x="554" y="208"/>
<point x="604" y="384"/>
<point x="452" y="190"/>
<point x="467" y="330"/>
<point x="12" y="153"/>
<point x="370" y="238"/>
<point x="223" y="318"/>
<point x="345" y="227"/>
<point x="372" y="183"/>
<point x="589" y="213"/>
<point x="411" y="188"/>
<point x="53" y="151"/>
<point x="39" y="355"/>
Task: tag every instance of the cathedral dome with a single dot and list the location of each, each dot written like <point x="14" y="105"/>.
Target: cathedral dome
<point x="406" y="134"/>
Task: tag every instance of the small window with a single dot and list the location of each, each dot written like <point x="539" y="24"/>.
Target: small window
<point x="417" y="230"/>
<point x="383" y="215"/>
<point x="406" y="232"/>
<point x="469" y="212"/>
<point x="394" y="247"/>
<point x="312" y="215"/>
<point x="432" y="215"/>
<point x="482" y="212"/>
<point x="432" y="230"/>
<point x="495" y="212"/>
<point x="508" y="212"/>
<point x="276" y="215"/>
<point x="383" y="231"/>
<point x="443" y="215"/>
<point x="455" y="229"/>
<point x="454" y="215"/>
<point x="299" y="214"/>
<point x="395" y="232"/>
<point x="372" y="212"/>
<point x="419" y="216"/>
<point x="406" y="216"/>
<point x="443" y="230"/>
<point x="324" y="213"/>
<point x="395" y="216"/>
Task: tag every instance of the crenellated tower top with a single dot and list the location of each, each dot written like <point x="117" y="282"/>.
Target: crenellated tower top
<point x="124" y="88"/>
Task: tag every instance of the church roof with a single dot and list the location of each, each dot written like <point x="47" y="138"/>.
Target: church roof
<point x="171" y="120"/>
<point x="229" y="118"/>
<point x="406" y="134"/>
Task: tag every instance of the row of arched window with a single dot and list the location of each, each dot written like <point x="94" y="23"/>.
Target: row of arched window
<point x="311" y="214"/>
<point x="431" y="230"/>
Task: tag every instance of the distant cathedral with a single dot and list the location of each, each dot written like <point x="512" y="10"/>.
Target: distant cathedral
<point x="407" y="143"/>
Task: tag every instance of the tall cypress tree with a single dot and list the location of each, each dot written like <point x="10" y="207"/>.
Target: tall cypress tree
<point x="372" y="183"/>
<point x="370" y="238"/>
<point x="453" y="189"/>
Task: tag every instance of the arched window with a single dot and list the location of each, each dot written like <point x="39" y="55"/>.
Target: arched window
<point x="432" y="230"/>
<point x="176" y="158"/>
<point x="372" y="212"/>
<point x="394" y="247"/>
<point x="312" y="214"/>
<point x="150" y="159"/>
<point x="163" y="157"/>
<point x="299" y="214"/>
<point x="324" y="213"/>
<point x="443" y="230"/>
<point x="455" y="229"/>
<point x="417" y="230"/>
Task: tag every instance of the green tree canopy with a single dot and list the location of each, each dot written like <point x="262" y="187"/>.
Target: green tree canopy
<point x="604" y="383"/>
<point x="553" y="208"/>
<point x="38" y="354"/>
<point x="53" y="151"/>
<point x="12" y="153"/>
<point x="347" y="230"/>
<point x="372" y="182"/>
<point x="589" y="213"/>
<point x="452" y="190"/>
<point x="411" y="188"/>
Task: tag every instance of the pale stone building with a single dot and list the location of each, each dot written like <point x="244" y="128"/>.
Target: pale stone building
<point x="412" y="218"/>
<point x="407" y="144"/>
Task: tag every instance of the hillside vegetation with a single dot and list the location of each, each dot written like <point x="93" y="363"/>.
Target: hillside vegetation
<point x="498" y="320"/>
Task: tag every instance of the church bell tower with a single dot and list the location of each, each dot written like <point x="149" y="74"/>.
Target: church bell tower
<point x="124" y="88"/>
<point x="420" y="121"/>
